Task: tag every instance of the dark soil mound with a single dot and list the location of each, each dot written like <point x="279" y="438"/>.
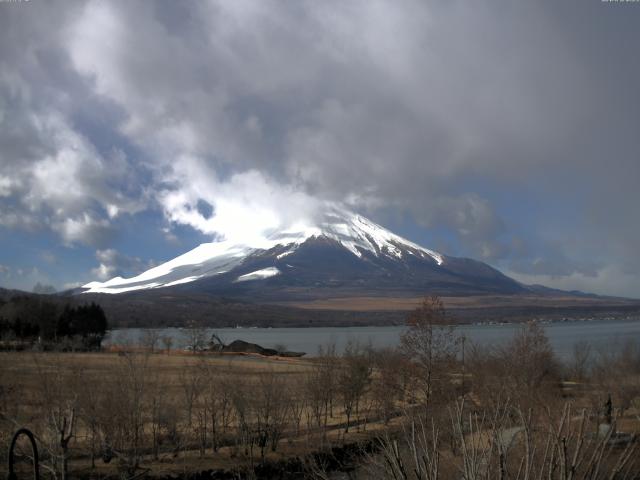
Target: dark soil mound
<point x="240" y="346"/>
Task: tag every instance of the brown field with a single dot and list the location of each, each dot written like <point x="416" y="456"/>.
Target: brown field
<point x="25" y="366"/>
<point x="22" y="375"/>
<point x="365" y="304"/>
<point x="164" y="414"/>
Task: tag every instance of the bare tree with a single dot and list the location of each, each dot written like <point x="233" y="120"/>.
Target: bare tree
<point x="387" y="386"/>
<point x="202" y="414"/>
<point x="431" y="344"/>
<point x="167" y="342"/>
<point x="196" y="336"/>
<point x="241" y="402"/>
<point x="123" y="412"/>
<point x="156" y="408"/>
<point x="218" y="397"/>
<point x="579" y="366"/>
<point x="505" y="442"/>
<point x="532" y="369"/>
<point x="150" y="338"/>
<point x="616" y="370"/>
<point x="90" y="402"/>
<point x="298" y="401"/>
<point x="192" y="384"/>
<point x="270" y="407"/>
<point x="320" y="386"/>
<point x="280" y="348"/>
<point x="59" y="394"/>
<point x="353" y="378"/>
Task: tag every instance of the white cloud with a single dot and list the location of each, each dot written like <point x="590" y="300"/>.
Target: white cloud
<point x="99" y="21"/>
<point x="103" y="272"/>
<point x="58" y="180"/>
<point x="6" y="186"/>
<point x="67" y="186"/>
<point x="52" y="174"/>
<point x="113" y="263"/>
<point x="83" y="229"/>
<point x="245" y="206"/>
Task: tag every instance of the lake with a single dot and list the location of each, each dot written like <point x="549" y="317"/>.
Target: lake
<point x="601" y="334"/>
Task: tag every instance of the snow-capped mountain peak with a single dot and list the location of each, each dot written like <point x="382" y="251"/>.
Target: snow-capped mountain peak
<point x="357" y="233"/>
<point x="353" y="232"/>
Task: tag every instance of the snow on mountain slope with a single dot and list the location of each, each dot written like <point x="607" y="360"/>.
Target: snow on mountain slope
<point x="354" y="232"/>
<point x="204" y="260"/>
<point x="259" y="274"/>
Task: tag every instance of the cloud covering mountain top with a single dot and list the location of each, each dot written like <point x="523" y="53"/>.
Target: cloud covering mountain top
<point x="501" y="131"/>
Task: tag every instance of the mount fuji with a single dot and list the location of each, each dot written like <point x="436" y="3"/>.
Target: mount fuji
<point x="339" y="254"/>
<point x="339" y="269"/>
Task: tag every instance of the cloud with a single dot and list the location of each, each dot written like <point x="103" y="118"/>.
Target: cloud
<point x="609" y="280"/>
<point x="555" y="266"/>
<point x="83" y="229"/>
<point x="399" y="111"/>
<point x="70" y="187"/>
<point x="6" y="186"/>
<point x="56" y="170"/>
<point x="495" y="124"/>
<point x="23" y="278"/>
<point x="474" y="220"/>
<point x="243" y="205"/>
<point x="48" y="257"/>
<point x="112" y="263"/>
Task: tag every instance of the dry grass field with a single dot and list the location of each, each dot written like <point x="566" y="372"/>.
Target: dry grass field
<point x="160" y="414"/>
<point x="381" y="303"/>
<point x="37" y="386"/>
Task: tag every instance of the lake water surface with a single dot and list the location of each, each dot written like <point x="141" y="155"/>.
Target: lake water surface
<point x="601" y="334"/>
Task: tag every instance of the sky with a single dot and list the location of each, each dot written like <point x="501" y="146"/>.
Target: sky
<point x="133" y="131"/>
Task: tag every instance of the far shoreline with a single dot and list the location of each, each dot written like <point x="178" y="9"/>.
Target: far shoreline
<point x="389" y="325"/>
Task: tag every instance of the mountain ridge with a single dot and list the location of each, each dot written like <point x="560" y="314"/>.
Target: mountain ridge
<point x="341" y="270"/>
<point x="341" y="250"/>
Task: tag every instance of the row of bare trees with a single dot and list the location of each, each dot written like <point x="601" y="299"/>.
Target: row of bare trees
<point x="505" y="442"/>
<point x="512" y="411"/>
<point x="506" y="411"/>
<point x="134" y="411"/>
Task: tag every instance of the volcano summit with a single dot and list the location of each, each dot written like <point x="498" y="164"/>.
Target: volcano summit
<point x="340" y="269"/>
<point x="342" y="253"/>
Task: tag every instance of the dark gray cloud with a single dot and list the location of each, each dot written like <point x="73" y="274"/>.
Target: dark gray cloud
<point x="426" y="108"/>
